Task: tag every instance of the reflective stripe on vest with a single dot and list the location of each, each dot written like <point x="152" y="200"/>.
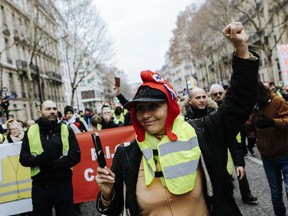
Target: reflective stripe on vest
<point x="36" y="145"/>
<point x="179" y="160"/>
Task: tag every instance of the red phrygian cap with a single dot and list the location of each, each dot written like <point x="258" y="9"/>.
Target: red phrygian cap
<point x="154" y="80"/>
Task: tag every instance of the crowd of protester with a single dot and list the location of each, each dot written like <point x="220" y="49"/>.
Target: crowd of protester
<point x="197" y="113"/>
<point x="193" y="103"/>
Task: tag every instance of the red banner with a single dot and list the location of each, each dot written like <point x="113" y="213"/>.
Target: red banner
<point x="84" y="183"/>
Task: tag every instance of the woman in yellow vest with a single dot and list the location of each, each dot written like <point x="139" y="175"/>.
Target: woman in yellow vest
<point x="168" y="170"/>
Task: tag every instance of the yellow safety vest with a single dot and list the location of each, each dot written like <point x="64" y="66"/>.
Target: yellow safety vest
<point x="178" y="160"/>
<point x="230" y="164"/>
<point x="125" y="111"/>
<point x="36" y="146"/>
<point x="121" y="118"/>
<point x="99" y="126"/>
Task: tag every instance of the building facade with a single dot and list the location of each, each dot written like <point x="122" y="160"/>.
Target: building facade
<point x="29" y="57"/>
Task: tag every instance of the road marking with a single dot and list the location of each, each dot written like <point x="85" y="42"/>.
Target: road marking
<point x="255" y="160"/>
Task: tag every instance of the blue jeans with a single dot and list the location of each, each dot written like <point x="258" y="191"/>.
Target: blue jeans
<point x="274" y="170"/>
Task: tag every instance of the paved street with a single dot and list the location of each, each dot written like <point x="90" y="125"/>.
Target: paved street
<point x="258" y="185"/>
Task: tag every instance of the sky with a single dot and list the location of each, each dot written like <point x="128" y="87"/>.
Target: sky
<point x="140" y="32"/>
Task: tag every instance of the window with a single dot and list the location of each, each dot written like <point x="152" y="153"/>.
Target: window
<point x="11" y="83"/>
<point x="9" y="60"/>
<point x="22" y="87"/>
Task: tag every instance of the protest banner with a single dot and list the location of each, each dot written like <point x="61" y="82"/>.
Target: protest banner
<point x="84" y="183"/>
<point x="282" y="51"/>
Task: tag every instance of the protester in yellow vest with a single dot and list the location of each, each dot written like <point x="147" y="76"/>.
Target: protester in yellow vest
<point x="118" y="115"/>
<point x="51" y="149"/>
<point x="168" y="170"/>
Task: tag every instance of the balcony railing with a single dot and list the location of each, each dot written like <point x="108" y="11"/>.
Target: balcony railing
<point x="54" y="76"/>
<point x="21" y="65"/>
<point x="34" y="69"/>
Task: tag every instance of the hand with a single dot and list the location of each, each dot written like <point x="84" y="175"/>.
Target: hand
<point x="43" y="158"/>
<point x="48" y="166"/>
<point x="264" y="122"/>
<point x="240" y="172"/>
<point x="116" y="90"/>
<point x="236" y="34"/>
<point x="105" y="179"/>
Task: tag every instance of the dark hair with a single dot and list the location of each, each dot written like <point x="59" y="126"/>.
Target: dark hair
<point x="68" y="109"/>
<point x="263" y="93"/>
<point x="59" y="115"/>
<point x="105" y="106"/>
<point x="118" y="110"/>
<point x="94" y="120"/>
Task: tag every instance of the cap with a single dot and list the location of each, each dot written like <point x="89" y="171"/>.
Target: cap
<point x="67" y="109"/>
<point x="146" y="94"/>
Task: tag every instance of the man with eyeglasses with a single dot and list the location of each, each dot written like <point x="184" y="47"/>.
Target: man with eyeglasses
<point x="217" y="93"/>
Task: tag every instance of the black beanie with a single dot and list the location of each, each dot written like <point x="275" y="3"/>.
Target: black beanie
<point x="67" y="109"/>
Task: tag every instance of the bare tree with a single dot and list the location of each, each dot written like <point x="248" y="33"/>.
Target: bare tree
<point x="39" y="37"/>
<point x="267" y="23"/>
<point x="87" y="36"/>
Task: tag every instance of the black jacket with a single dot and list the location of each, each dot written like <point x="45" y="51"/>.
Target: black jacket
<point x="215" y="133"/>
<point x="127" y="117"/>
<point x="54" y="168"/>
<point x="193" y="114"/>
<point x="110" y="124"/>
